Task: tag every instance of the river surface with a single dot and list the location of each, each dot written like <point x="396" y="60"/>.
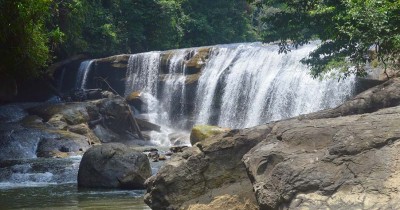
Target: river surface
<point x="68" y="196"/>
<point x="46" y="183"/>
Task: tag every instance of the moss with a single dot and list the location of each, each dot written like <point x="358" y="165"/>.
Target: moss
<point x="201" y="132"/>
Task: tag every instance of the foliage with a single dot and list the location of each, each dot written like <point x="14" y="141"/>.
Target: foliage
<point x="23" y="37"/>
<point x="353" y="32"/>
<point x="35" y="33"/>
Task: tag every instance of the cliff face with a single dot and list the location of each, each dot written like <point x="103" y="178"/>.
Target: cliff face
<point x="342" y="158"/>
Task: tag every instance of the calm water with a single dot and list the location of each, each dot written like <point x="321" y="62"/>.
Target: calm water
<point x="67" y="196"/>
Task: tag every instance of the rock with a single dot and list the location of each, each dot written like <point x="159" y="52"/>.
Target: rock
<point x="162" y="157"/>
<point x="227" y="202"/>
<point x="338" y="163"/>
<point x="105" y="135"/>
<point x="177" y="149"/>
<point x="84" y="129"/>
<point x="211" y="168"/>
<point x="201" y="132"/>
<point x="68" y="143"/>
<point x="147" y="126"/>
<point x="179" y="138"/>
<point x="113" y="166"/>
<point x="154" y="156"/>
<point x="373" y="99"/>
<point x="197" y="62"/>
<point x="135" y="100"/>
<point x="72" y="113"/>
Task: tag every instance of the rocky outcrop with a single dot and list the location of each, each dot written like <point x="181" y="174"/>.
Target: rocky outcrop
<point x="343" y="163"/>
<point x="201" y="132"/>
<point x="226" y="202"/>
<point x="113" y="166"/>
<point x="63" y="129"/>
<point x="332" y="159"/>
<point x="209" y="169"/>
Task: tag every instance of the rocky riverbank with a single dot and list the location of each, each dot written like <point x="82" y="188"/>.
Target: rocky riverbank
<point x="342" y="158"/>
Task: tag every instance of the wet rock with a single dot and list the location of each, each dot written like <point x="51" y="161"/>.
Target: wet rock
<point x="177" y="149"/>
<point x="136" y="101"/>
<point x="180" y="138"/>
<point x="154" y="156"/>
<point x="201" y="132"/>
<point x="147" y="126"/>
<point x="113" y="166"/>
<point x="197" y="62"/>
<point x="51" y="147"/>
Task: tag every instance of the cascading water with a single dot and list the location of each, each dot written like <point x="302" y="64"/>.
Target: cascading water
<point x="83" y="72"/>
<point x="164" y="107"/>
<point x="249" y="84"/>
<point x="241" y="85"/>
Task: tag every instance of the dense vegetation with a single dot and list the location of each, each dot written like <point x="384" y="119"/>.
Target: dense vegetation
<point x="353" y="32"/>
<point x="35" y="33"/>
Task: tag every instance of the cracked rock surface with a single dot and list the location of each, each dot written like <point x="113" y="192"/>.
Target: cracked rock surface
<point x="338" y="163"/>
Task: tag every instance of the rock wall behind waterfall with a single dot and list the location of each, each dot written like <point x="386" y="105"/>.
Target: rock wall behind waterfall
<point x="238" y="85"/>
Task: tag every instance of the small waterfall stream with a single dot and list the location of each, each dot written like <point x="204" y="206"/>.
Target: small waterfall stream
<point x="83" y="72"/>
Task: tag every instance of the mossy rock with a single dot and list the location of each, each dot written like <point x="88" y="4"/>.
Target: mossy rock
<point x="201" y="132"/>
<point x="197" y="62"/>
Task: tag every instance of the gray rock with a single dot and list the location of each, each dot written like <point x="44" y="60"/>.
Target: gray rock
<point x="339" y="163"/>
<point x="113" y="166"/>
<point x="213" y="167"/>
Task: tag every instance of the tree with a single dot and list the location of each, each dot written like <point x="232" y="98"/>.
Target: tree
<point x="23" y="37"/>
<point x="353" y="32"/>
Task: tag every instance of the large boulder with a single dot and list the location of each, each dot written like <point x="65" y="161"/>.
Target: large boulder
<point x="211" y="168"/>
<point x="113" y="166"/>
<point x="201" y="132"/>
<point x="339" y="163"/>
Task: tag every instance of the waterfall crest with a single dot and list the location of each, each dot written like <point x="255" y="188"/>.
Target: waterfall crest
<point x="240" y="85"/>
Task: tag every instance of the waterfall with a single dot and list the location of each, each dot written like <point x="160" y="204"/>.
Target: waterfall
<point x="83" y="72"/>
<point x="173" y="92"/>
<point x="240" y="85"/>
<point x="245" y="85"/>
<point x="142" y="73"/>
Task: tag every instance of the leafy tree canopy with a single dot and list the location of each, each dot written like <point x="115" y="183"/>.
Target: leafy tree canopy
<point x="34" y="33"/>
<point x="353" y="32"/>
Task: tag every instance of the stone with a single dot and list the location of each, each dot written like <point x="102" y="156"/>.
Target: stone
<point x="113" y="166"/>
<point x="145" y="125"/>
<point x="211" y="168"/>
<point x="337" y="163"/>
<point x="201" y="132"/>
<point x="136" y="101"/>
<point x="68" y="143"/>
<point x="226" y="202"/>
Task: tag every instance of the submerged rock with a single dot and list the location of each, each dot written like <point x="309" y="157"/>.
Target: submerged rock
<point x="201" y="132"/>
<point x="113" y="166"/>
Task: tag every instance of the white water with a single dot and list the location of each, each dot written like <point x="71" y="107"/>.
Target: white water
<point x="142" y="73"/>
<point x="241" y="85"/>
<point x="83" y="72"/>
<point x="258" y="85"/>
